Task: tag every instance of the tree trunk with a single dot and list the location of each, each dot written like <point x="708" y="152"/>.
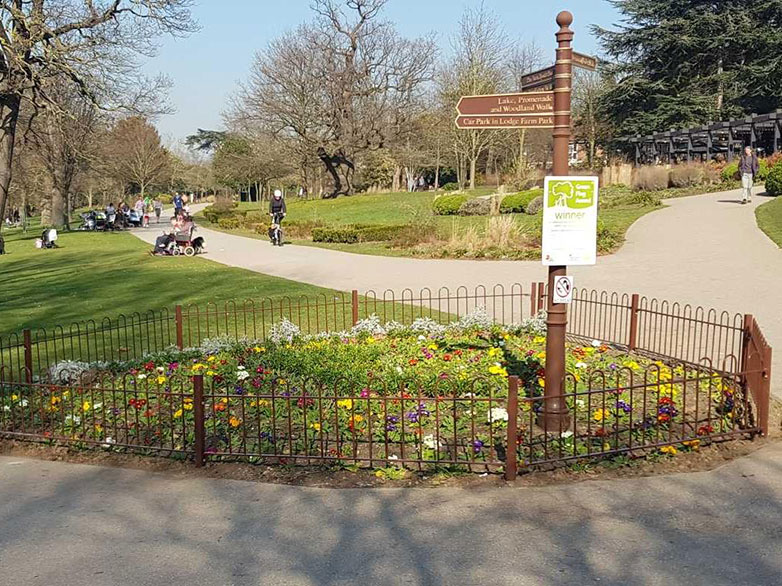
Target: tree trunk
<point x="473" y="165"/>
<point x="89" y="197"/>
<point x="9" y="116"/>
<point x="57" y="209"/>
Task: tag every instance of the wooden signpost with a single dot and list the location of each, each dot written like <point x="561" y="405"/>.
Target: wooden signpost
<point x="542" y="109"/>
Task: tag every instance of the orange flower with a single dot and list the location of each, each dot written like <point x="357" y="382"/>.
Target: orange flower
<point x="235" y="422"/>
<point x="219" y="407"/>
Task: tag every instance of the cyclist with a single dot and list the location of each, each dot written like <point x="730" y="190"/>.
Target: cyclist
<point x="277" y="211"/>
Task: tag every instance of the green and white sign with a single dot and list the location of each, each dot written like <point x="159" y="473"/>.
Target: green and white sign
<point x="570" y="221"/>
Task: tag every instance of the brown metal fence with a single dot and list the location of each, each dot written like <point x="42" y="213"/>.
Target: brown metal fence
<point x="492" y="428"/>
<point x="726" y="347"/>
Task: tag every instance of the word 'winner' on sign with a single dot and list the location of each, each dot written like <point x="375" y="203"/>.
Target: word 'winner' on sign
<point x="532" y="103"/>
<point x="570" y="221"/>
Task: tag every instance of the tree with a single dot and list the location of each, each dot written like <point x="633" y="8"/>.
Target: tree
<point x="681" y="64"/>
<point x="477" y="67"/>
<point x="589" y="124"/>
<point x="90" y="44"/>
<point x="342" y="86"/>
<point x="135" y="155"/>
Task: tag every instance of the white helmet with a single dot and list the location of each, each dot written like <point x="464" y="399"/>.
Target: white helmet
<point x="277" y="193"/>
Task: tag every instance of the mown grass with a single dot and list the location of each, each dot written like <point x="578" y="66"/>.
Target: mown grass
<point x="769" y="217"/>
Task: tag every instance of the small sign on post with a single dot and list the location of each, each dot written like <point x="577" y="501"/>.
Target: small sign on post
<point x="570" y="221"/>
<point x="563" y="289"/>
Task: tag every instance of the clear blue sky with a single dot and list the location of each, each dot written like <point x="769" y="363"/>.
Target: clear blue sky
<point x="206" y="66"/>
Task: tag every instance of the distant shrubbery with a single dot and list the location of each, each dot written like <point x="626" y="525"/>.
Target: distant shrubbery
<point x="358" y="233"/>
<point x="517" y="203"/>
<point x="774" y="180"/>
<point x="448" y="205"/>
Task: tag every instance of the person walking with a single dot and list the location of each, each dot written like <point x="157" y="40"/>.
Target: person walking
<point x="157" y="205"/>
<point x="748" y="169"/>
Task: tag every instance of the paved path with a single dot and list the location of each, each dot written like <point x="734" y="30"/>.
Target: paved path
<point x="71" y="524"/>
<point x="703" y="250"/>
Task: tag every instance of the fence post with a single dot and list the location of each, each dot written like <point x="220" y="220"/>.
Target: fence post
<point x="354" y="303"/>
<point x="180" y="338"/>
<point x="633" y="342"/>
<point x="511" y="451"/>
<point x="763" y="402"/>
<point x="541" y="293"/>
<point x="745" y="341"/>
<point x="533" y="301"/>
<point x="199" y="420"/>
<point x="28" y="356"/>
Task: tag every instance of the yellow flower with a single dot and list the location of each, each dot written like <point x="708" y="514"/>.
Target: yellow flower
<point x="282" y="381"/>
<point x="178" y="413"/>
<point x="211" y="359"/>
<point x="188" y="406"/>
<point x="498" y="370"/>
<point x="539" y="340"/>
<point x="506" y="336"/>
<point x="345" y="403"/>
<point x="433" y="346"/>
<point x="55" y="401"/>
<point x="380" y="474"/>
<point x="542" y="382"/>
<point x="494" y="353"/>
<point x="693" y="444"/>
<point x="315" y="426"/>
<point x="161" y="379"/>
<point x="14" y="397"/>
<point x="210" y="373"/>
<point x="541" y="355"/>
<point x="98" y="427"/>
<point x="224" y="400"/>
<point x="199" y="366"/>
<point x="599" y="415"/>
<point x="370" y="340"/>
<point x="86" y="406"/>
<point x="235" y="422"/>
<point x="358" y="418"/>
<point x="259" y="349"/>
<point x="671" y="450"/>
<point x="633" y="365"/>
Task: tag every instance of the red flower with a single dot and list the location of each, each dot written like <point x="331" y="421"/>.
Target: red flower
<point x="447" y="357"/>
<point x="457" y="352"/>
<point x="665" y="401"/>
<point x="705" y="430"/>
<point x="219" y="407"/>
<point x="149" y="366"/>
<point x="413" y="361"/>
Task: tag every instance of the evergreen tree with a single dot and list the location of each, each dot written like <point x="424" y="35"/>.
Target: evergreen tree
<point x="682" y="63"/>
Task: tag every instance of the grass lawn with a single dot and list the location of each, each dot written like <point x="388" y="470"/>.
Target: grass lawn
<point x="769" y="216"/>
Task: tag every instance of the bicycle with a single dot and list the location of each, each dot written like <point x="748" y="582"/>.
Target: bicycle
<point x="275" y="232"/>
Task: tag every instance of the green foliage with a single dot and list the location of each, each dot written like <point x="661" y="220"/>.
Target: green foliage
<point x="165" y="198"/>
<point x="769" y="215"/>
<point x="774" y="180"/>
<point x="736" y="53"/>
<point x="517" y="203"/>
<point x="535" y="206"/>
<point x="730" y="172"/>
<point x="448" y="205"/>
<point x="230" y="223"/>
<point x="450" y="187"/>
<point x="476" y="207"/>
<point x="762" y="170"/>
<point x="357" y="233"/>
<point x="378" y="169"/>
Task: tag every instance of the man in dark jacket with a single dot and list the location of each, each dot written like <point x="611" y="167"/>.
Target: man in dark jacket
<point x="748" y="169"/>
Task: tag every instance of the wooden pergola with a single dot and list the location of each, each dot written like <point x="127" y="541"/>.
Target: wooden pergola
<point x="760" y="131"/>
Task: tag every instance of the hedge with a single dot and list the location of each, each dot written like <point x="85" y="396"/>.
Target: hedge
<point x="357" y="233"/>
<point x="731" y="172"/>
<point x="229" y="223"/>
<point x="448" y="205"/>
<point x="774" y="180"/>
<point x="517" y="203"/>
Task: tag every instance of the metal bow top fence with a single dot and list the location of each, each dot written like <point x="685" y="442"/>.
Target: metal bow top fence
<point x="726" y="342"/>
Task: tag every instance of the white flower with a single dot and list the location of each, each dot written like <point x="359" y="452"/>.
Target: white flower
<point x="242" y="375"/>
<point x="566" y="434"/>
<point x="497" y="414"/>
<point x="430" y="442"/>
<point x="580" y="403"/>
<point x="97" y="406"/>
<point x="240" y="367"/>
<point x="108" y="442"/>
<point x="422" y="338"/>
<point x="72" y="419"/>
<point x="393" y="457"/>
<point x="581" y="365"/>
<point x="142" y="376"/>
<point x="597" y="343"/>
<point x="399" y="370"/>
<point x="23" y="402"/>
<point x="6" y="408"/>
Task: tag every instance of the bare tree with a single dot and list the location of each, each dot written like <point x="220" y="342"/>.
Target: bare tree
<point x="589" y="124"/>
<point x="92" y="44"/>
<point x="135" y="155"/>
<point x="477" y="67"/>
<point x="343" y="85"/>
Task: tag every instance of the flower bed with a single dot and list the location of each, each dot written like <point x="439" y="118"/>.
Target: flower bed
<point x="420" y="394"/>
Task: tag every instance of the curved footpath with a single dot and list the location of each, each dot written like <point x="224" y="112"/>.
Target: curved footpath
<point x="71" y="524"/>
<point x="704" y="250"/>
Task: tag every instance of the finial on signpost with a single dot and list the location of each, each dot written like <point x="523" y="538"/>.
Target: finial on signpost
<point x="564" y="19"/>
